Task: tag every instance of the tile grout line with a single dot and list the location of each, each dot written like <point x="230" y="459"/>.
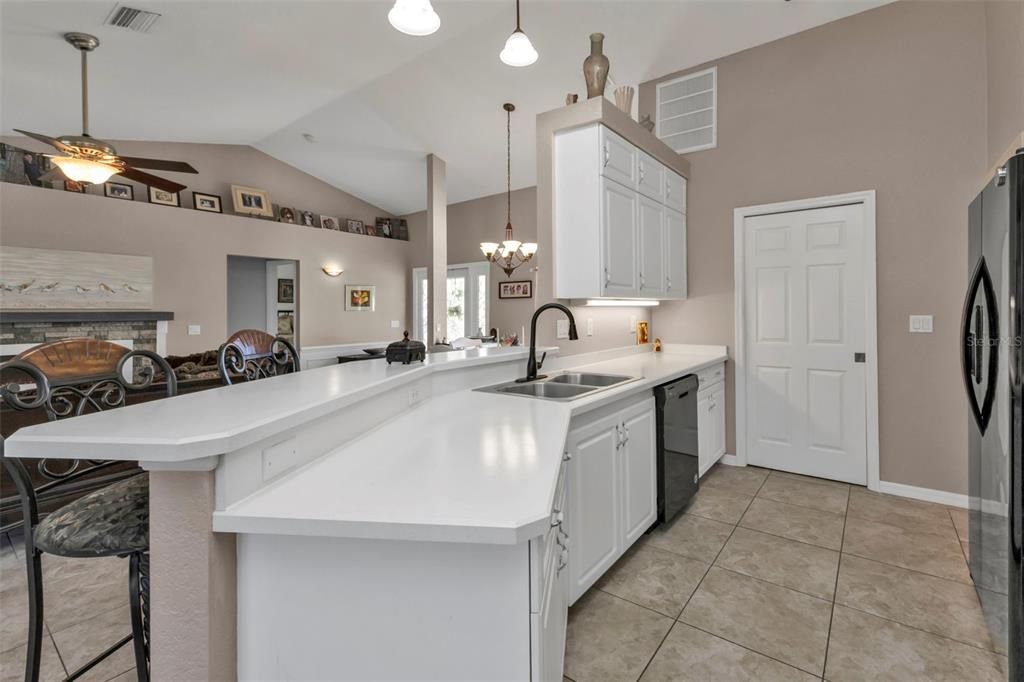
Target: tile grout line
<point x="835" y="591"/>
<point x="747" y="648"/>
<point x="960" y="542"/>
<point x="60" y="656"/>
<point x="701" y="581"/>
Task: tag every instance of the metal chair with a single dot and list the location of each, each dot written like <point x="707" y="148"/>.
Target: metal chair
<point x="252" y="354"/>
<point x="69" y="378"/>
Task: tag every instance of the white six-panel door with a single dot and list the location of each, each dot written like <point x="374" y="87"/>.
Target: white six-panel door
<point x="804" y="323"/>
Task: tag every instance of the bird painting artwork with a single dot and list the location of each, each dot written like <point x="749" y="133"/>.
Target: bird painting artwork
<point x="74" y="280"/>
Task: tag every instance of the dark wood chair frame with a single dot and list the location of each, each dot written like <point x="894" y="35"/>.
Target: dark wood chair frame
<point x="86" y="376"/>
<point x="255" y="354"/>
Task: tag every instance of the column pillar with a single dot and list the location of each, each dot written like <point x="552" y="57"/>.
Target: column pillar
<point x="437" y="246"/>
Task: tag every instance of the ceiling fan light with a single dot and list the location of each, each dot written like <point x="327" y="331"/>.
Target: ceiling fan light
<point x="414" y="17"/>
<point x="83" y="170"/>
<point x="519" y="51"/>
<point x="488" y="248"/>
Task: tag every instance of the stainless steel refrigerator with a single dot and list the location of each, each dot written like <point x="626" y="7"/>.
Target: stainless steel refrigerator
<point x="991" y="359"/>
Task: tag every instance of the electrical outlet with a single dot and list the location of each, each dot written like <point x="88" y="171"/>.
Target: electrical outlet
<point x="561" y="329"/>
<point x="590" y="326"/>
<point x="414" y="395"/>
<point x="193" y="330"/>
<point x="921" y="324"/>
<point x="279" y="458"/>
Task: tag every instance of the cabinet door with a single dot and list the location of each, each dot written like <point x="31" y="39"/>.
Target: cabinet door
<point x="718" y="414"/>
<point x="675" y="191"/>
<point x="650" y="179"/>
<point x="639" y="476"/>
<point x="652" y="249"/>
<point x="675" y="254"/>
<point x="618" y="239"/>
<point x="618" y="159"/>
<point x="593" y="501"/>
<point x="549" y="627"/>
<point x="705" y="432"/>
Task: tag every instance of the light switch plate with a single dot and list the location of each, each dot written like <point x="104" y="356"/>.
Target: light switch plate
<point x="394" y="324"/>
<point x="921" y="324"/>
<point x="590" y="326"/>
<point x="632" y="324"/>
<point x="561" y="329"/>
<point x="193" y="330"/>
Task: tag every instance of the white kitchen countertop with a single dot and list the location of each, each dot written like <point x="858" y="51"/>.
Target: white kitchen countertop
<point x="464" y="467"/>
<point x="198" y="425"/>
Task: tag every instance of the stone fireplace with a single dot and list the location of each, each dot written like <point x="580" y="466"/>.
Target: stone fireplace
<point x="133" y="329"/>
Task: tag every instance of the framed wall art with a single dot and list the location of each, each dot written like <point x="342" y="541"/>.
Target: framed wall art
<point x="522" y="289"/>
<point x="251" y="201"/>
<point x="360" y="297"/>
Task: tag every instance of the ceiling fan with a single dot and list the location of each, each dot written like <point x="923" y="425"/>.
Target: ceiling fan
<point x="87" y="159"/>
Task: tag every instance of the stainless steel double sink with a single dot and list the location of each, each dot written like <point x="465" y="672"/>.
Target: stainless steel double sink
<point x="562" y="387"/>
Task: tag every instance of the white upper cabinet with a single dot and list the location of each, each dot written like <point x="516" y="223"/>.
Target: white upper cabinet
<point x="618" y="239"/>
<point x="619" y="223"/>
<point x="675" y="254"/>
<point x="618" y="160"/>
<point x="653" y="276"/>
<point x="650" y="177"/>
<point x="675" y="191"/>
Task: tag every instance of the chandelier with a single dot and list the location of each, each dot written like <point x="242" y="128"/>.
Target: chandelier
<point x="510" y="254"/>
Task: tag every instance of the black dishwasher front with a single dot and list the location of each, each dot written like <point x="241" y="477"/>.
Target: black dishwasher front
<point x="676" y="404"/>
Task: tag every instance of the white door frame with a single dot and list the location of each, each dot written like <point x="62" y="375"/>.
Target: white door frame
<point x="867" y="198"/>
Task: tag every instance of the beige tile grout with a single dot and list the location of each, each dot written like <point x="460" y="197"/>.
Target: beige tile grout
<point x="700" y="582"/>
<point x="835" y="591"/>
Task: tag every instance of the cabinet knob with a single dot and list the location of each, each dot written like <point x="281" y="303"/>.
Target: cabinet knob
<point x="607" y="154"/>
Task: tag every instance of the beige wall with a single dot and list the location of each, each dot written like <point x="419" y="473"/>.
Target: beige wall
<point x="893" y="99"/>
<point x="1004" y="22"/>
<point x="483" y="219"/>
<point x="190" y="248"/>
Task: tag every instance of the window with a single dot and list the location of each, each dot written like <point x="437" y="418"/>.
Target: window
<point x="687" y="111"/>
<point x="467" y="302"/>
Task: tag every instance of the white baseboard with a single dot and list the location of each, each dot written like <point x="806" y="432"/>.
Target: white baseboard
<point x="900" y="489"/>
<point x="924" y="494"/>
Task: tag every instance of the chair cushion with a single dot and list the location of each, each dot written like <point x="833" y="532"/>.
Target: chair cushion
<point x="110" y="521"/>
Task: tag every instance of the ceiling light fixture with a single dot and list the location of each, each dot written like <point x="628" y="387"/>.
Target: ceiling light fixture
<point x="510" y="254"/>
<point x="414" y="17"/>
<point x="519" y="51"/>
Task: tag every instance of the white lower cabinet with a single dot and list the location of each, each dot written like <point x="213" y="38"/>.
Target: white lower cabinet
<point x="710" y="417"/>
<point x="612" y="480"/>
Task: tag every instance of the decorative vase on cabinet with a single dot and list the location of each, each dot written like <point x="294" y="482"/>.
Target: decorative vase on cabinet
<point x="595" y="67"/>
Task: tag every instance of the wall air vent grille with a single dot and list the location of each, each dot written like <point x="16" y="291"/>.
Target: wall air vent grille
<point x="138" y="20"/>
<point x="687" y="113"/>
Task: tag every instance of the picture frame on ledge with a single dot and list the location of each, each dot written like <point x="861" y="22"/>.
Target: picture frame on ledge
<point x="328" y="222"/>
<point x="251" y="201"/>
<point x="206" y="202"/>
<point x="119" y="190"/>
<point x="360" y="298"/>
<point x="307" y="219"/>
<point x="74" y="186"/>
<point x="163" y="197"/>
<point x="287" y="215"/>
<point x="356" y="226"/>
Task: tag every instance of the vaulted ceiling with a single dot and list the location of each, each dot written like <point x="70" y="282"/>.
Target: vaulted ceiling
<point x="375" y="101"/>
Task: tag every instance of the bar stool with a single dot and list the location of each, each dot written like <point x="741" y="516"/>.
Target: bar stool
<point x="69" y="378"/>
<point x="252" y="354"/>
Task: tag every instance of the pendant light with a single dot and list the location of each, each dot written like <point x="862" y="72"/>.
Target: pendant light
<point x="414" y="17"/>
<point x="518" y="50"/>
<point x="510" y="254"/>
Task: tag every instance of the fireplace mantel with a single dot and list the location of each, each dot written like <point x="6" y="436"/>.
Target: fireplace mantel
<point x="85" y="315"/>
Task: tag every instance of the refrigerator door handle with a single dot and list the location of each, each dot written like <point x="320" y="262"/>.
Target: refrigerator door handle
<point x="974" y="341"/>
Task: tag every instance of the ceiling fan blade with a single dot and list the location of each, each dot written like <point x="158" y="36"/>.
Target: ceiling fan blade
<point x="151" y="180"/>
<point x="158" y="164"/>
<point x="53" y="142"/>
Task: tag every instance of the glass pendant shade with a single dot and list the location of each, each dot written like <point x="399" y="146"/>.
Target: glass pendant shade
<point x="83" y="170"/>
<point x="511" y="245"/>
<point x="489" y="248"/>
<point x="528" y="249"/>
<point x="414" y="17"/>
<point x="519" y="51"/>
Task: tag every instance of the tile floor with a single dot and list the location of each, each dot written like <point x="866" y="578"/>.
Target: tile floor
<point x="771" y="576"/>
<point x="765" y="577"/>
<point x="86" y="610"/>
